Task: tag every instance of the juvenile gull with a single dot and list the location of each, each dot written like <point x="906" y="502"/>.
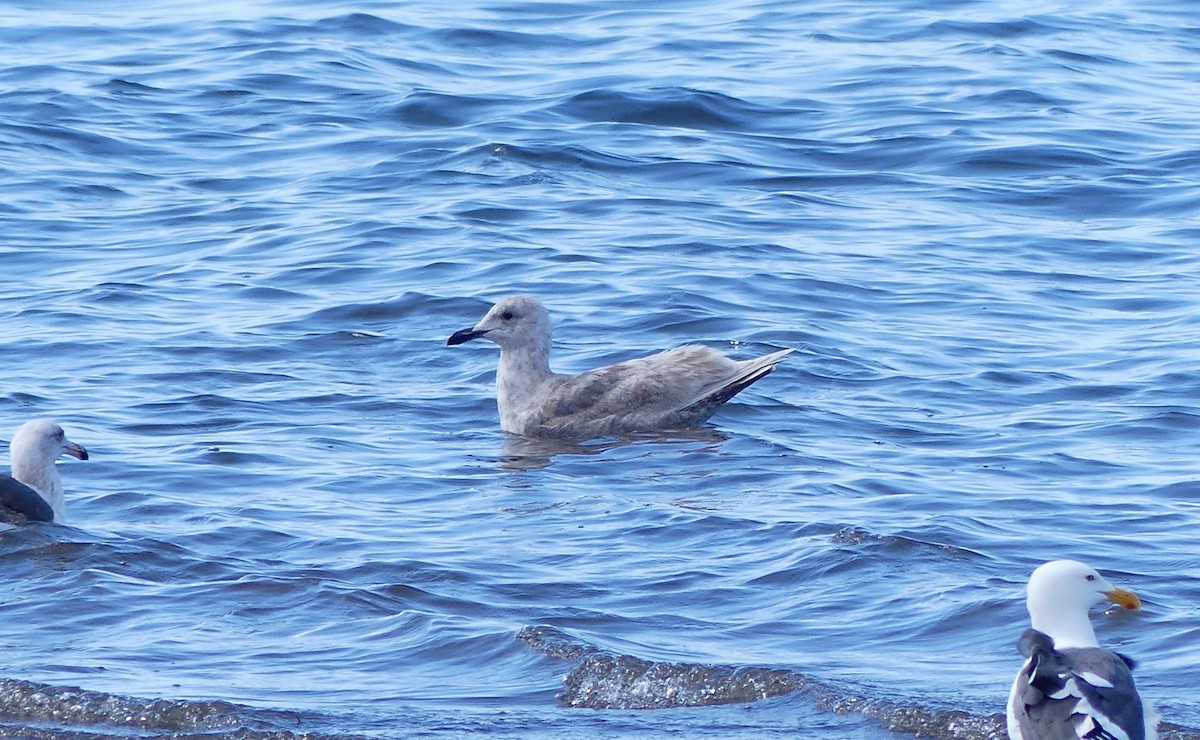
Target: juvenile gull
<point x="1070" y="687"/>
<point x="678" y="388"/>
<point x="34" y="491"/>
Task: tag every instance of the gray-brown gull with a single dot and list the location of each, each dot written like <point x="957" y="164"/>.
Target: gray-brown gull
<point x="1069" y="687"/>
<point x="678" y="388"/>
<point x="34" y="492"/>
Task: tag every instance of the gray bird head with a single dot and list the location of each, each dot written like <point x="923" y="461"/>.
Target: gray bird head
<point x="516" y="321"/>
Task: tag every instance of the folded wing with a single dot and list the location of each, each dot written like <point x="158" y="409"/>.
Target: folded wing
<point x="1075" y="693"/>
<point x="23" y="500"/>
<point x="677" y="388"/>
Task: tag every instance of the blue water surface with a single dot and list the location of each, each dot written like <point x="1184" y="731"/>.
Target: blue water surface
<point x="235" y="236"/>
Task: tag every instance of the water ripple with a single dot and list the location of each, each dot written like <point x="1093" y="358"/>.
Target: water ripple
<point x="237" y="238"/>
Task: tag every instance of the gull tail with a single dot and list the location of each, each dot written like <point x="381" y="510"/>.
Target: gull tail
<point x="749" y="371"/>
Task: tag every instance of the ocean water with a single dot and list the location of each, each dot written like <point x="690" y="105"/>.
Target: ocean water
<point x="235" y="236"/>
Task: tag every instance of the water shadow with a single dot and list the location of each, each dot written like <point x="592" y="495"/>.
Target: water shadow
<point x="519" y="454"/>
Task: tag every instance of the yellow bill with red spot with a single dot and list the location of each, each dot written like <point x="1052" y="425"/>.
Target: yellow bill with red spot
<point x="1127" y="599"/>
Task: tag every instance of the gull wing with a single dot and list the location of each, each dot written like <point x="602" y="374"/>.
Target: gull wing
<point x="26" y="501"/>
<point x="1075" y="693"/>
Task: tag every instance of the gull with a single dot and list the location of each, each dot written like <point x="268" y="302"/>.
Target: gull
<point x="34" y="492"/>
<point x="675" y="389"/>
<point x="1069" y="686"/>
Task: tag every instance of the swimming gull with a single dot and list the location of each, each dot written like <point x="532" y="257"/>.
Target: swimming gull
<point x="34" y="491"/>
<point x="1070" y="687"/>
<point x="678" y="388"/>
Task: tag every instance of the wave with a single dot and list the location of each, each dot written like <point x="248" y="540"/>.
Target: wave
<point x="601" y="679"/>
<point x="34" y="710"/>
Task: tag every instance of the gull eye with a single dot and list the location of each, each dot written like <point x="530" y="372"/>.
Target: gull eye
<point x="1090" y="577"/>
<point x="507" y="315"/>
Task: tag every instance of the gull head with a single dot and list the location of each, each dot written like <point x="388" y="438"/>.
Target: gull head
<point x="1058" y="598"/>
<point x="39" y="442"/>
<point x="33" y="449"/>
<point x="517" y="321"/>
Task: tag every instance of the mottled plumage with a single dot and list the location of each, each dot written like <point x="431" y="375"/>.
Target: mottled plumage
<point x="678" y="388"/>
